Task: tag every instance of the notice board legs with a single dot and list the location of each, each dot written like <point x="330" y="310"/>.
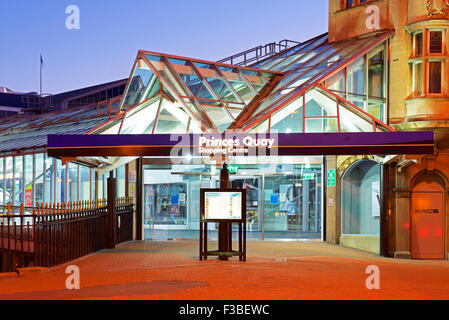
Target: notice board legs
<point x="224" y="255"/>
<point x="205" y="241"/>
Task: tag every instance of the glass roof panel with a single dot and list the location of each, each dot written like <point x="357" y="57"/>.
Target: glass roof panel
<point x="292" y="54"/>
<point x="143" y="84"/>
<point x="169" y="123"/>
<point x="196" y="84"/>
<point x="219" y="116"/>
<point x="219" y="85"/>
<point x="141" y="119"/>
<point x="329" y="57"/>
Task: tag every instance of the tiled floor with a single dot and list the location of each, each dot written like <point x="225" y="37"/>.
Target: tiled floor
<point x="274" y="270"/>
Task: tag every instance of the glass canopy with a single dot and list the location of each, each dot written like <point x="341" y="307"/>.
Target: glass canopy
<point x="311" y="63"/>
<point x="316" y="86"/>
<point x="211" y="94"/>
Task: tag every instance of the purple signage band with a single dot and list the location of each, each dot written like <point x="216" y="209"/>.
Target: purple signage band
<point x="292" y="144"/>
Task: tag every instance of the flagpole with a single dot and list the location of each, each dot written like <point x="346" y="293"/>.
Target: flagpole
<point x="41" y="76"/>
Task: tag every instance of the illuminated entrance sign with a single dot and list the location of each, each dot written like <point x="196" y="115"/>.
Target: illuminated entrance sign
<point x="293" y="144"/>
<point x="217" y="146"/>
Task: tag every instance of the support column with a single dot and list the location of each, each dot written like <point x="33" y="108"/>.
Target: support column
<point x="332" y="202"/>
<point x="385" y="211"/>
<point x="110" y="225"/>
<point x="224" y="228"/>
<point x="139" y="201"/>
<point x="402" y="219"/>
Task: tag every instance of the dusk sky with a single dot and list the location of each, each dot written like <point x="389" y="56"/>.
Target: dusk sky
<point x="112" y="31"/>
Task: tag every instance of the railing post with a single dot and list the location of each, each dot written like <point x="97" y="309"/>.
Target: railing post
<point x="110" y="230"/>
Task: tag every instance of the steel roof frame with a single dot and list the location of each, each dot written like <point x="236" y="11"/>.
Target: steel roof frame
<point x="322" y="77"/>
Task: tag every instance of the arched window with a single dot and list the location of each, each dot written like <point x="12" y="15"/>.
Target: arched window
<point x="360" y="199"/>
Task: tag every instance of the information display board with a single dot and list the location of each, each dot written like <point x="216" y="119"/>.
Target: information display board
<point x="223" y="205"/>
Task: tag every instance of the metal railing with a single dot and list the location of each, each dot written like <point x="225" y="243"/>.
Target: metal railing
<point x="49" y="235"/>
<point x="258" y="53"/>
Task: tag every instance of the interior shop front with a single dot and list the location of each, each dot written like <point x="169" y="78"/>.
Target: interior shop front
<point x="284" y="198"/>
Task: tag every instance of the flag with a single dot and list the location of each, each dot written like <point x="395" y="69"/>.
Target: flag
<point x="42" y="62"/>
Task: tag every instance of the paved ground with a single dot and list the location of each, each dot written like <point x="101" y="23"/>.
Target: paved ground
<point x="274" y="270"/>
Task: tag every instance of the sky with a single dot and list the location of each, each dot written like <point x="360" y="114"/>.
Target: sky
<point x="111" y="32"/>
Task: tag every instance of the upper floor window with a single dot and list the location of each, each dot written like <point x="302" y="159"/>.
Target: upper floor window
<point x="352" y="3"/>
<point x="435" y="42"/>
<point x="428" y="60"/>
<point x="418" y="42"/>
<point x="435" y="77"/>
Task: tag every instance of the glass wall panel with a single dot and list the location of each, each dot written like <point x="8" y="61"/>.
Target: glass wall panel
<point x="2" y="187"/>
<point x="171" y="119"/>
<point x="286" y="197"/>
<point x="142" y="86"/>
<point x="72" y="182"/>
<point x="121" y="181"/>
<point x="100" y="187"/>
<point x="18" y="182"/>
<point x="377" y="83"/>
<point x="29" y="185"/>
<point x="50" y="179"/>
<point x="105" y="184"/>
<point x="61" y="186"/>
<point x="289" y="119"/>
<point x="92" y="185"/>
<point x="140" y="120"/>
<point x="356" y="83"/>
<point x="39" y="178"/>
<point x="293" y="202"/>
<point x="84" y="183"/>
<point x="360" y="199"/>
<point x="260" y="128"/>
<point x="337" y="83"/>
<point x="9" y="178"/>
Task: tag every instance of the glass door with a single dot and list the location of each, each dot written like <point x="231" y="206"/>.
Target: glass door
<point x="253" y="187"/>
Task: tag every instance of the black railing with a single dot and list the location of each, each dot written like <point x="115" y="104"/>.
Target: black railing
<point x="258" y="53"/>
<point x="53" y="235"/>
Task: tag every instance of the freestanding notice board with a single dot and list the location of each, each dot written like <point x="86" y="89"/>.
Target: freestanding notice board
<point x="223" y="206"/>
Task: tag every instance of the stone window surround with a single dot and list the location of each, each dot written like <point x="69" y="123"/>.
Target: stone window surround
<point x="425" y="27"/>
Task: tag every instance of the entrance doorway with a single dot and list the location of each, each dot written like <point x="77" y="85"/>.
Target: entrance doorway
<point x="284" y="201"/>
<point x="427" y="219"/>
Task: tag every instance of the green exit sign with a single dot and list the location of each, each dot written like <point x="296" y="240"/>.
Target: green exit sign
<point x="331" y="174"/>
<point x="308" y="176"/>
<point x="233" y="168"/>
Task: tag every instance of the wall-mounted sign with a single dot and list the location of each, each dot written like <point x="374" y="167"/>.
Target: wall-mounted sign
<point x="233" y="168"/>
<point x="331" y="175"/>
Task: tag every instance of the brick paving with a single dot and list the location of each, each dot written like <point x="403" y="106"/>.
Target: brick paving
<point x="274" y="270"/>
